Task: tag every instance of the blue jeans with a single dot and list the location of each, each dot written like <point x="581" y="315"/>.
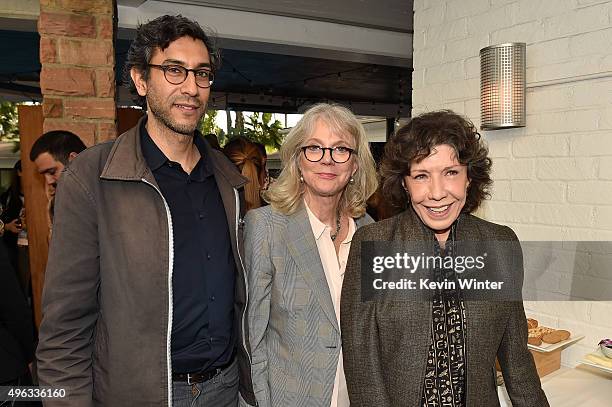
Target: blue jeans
<point x="220" y="391"/>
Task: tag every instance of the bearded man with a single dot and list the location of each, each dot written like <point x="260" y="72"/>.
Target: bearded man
<point x="144" y="300"/>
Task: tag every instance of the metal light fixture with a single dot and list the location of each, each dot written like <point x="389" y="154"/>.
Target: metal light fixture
<point x="502" y="86"/>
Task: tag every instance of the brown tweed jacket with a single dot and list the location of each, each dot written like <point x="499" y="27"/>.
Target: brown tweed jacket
<point x="385" y="343"/>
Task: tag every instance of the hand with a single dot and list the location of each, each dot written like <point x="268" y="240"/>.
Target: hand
<point x="13" y="226"/>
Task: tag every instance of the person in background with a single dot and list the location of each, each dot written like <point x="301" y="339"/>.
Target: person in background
<point x="438" y="351"/>
<point x="248" y="158"/>
<point x="53" y="151"/>
<point x="15" y="232"/>
<point x="295" y="253"/>
<point x="16" y="331"/>
<point x="264" y="154"/>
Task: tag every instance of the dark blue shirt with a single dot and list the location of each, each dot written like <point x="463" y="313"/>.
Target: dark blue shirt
<point x="204" y="270"/>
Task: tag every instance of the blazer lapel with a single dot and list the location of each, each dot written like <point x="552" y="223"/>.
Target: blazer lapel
<point x="303" y="249"/>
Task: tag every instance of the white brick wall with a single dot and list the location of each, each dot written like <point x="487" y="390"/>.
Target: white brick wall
<point x="553" y="178"/>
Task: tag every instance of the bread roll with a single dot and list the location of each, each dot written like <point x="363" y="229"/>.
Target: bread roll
<point x="534" y="340"/>
<point x="556" y="336"/>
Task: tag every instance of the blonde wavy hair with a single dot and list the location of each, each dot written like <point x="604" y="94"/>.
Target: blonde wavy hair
<point x="285" y="195"/>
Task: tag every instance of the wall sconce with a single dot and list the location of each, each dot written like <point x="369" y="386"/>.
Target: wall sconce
<point x="502" y="86"/>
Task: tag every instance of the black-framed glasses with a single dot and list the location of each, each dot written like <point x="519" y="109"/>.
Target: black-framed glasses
<point x="338" y="154"/>
<point x="177" y="74"/>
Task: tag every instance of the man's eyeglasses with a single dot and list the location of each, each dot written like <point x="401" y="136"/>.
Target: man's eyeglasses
<point x="338" y="154"/>
<point x="176" y="74"/>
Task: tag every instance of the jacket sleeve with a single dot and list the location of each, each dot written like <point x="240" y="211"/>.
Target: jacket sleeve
<point x="259" y="269"/>
<point x="518" y="367"/>
<point x="70" y="302"/>
<point x="361" y="347"/>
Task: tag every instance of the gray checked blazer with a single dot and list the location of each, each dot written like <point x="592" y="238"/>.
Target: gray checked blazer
<point x="385" y="343"/>
<point x="293" y="331"/>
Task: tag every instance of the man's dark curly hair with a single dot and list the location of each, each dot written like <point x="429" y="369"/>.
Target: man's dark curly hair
<point x="415" y="141"/>
<point x="159" y="33"/>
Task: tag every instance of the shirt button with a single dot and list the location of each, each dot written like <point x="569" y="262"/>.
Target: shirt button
<point x="201" y="215"/>
<point x="212" y="298"/>
<point x="208" y="256"/>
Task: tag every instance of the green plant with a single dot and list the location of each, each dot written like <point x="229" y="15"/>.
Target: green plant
<point x="259" y="129"/>
<point x="208" y="125"/>
<point x="9" y="130"/>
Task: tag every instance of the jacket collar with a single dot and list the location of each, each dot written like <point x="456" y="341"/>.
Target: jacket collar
<point x="126" y="162"/>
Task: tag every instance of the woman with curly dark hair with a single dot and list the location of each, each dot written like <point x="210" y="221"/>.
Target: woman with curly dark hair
<point x="440" y="351"/>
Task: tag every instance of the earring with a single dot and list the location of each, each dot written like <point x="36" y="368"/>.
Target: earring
<point x="351" y="180"/>
<point x="301" y="179"/>
<point x="404" y="186"/>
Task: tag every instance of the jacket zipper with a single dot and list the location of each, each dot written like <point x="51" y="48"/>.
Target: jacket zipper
<point x="170" y="310"/>
<point x="246" y="283"/>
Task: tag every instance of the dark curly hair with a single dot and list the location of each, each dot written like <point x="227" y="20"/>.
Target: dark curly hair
<point x="414" y="142"/>
<point x="159" y="33"/>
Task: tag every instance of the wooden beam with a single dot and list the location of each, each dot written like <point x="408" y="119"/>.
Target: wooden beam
<point x="30" y="129"/>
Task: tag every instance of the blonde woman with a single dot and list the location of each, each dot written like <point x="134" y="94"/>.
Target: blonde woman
<point x="295" y="253"/>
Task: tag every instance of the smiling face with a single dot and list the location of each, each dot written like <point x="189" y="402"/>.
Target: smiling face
<point x="326" y="178"/>
<point x="175" y="107"/>
<point x="437" y="186"/>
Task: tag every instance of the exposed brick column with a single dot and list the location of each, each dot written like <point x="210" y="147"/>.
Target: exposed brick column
<point x="77" y="79"/>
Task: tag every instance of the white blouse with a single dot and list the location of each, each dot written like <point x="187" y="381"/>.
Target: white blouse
<point x="334" y="267"/>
